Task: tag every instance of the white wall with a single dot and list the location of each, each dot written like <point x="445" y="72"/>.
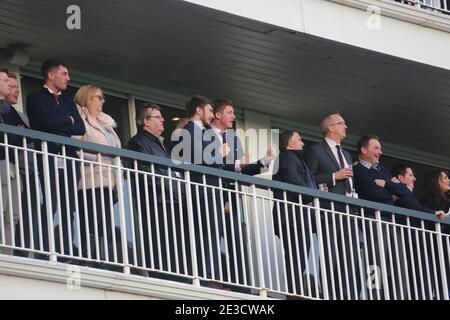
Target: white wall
<point x="405" y="32"/>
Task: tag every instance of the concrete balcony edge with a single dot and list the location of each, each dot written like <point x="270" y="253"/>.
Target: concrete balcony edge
<point x="111" y="281"/>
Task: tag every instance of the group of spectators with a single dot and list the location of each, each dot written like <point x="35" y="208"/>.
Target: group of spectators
<point x="329" y="167"/>
<point x="210" y="141"/>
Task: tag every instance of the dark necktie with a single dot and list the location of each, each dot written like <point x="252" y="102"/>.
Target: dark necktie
<point x="224" y="137"/>
<point x="56" y="97"/>
<point x="341" y="162"/>
<point x="224" y="140"/>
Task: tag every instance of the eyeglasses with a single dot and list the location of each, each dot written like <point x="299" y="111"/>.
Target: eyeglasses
<point x="157" y="117"/>
<point x="101" y="98"/>
<point x="340" y="122"/>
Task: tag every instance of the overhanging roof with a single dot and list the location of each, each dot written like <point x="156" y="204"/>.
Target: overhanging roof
<point x="188" y="49"/>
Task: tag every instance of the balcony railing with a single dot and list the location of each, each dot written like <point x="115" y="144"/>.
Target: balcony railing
<point x="169" y="221"/>
<point x="441" y="6"/>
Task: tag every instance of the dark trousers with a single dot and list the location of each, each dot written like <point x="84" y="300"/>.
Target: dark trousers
<point x="58" y="185"/>
<point x="160" y="233"/>
<point x="236" y="246"/>
<point x="208" y="236"/>
<point x="88" y="232"/>
<point x="339" y="247"/>
<point x="387" y="242"/>
<point x="29" y="215"/>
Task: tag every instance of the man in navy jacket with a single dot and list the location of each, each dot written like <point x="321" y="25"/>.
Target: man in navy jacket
<point x="375" y="183"/>
<point x="49" y="110"/>
<point x="196" y="146"/>
<point x="235" y="161"/>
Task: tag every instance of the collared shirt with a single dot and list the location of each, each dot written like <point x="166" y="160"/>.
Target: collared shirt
<point x="219" y="133"/>
<point x="199" y="124"/>
<point x="334" y="150"/>
<point x="50" y="90"/>
<point x="60" y="161"/>
<point x="366" y="164"/>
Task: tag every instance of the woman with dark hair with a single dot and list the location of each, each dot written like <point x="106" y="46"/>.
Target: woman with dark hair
<point x="437" y="188"/>
<point x="437" y="197"/>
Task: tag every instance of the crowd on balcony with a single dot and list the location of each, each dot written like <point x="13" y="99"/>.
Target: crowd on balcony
<point x="325" y="166"/>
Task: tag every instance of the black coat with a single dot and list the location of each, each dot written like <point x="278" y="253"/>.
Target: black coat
<point x="146" y="142"/>
<point x="293" y="169"/>
<point x="11" y="118"/>
<point x="429" y="201"/>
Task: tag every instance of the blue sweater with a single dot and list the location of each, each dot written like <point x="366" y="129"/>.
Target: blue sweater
<point x="367" y="189"/>
<point x="47" y="115"/>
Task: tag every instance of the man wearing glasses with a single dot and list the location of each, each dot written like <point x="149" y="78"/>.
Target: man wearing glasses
<point x="159" y="198"/>
<point x="330" y="164"/>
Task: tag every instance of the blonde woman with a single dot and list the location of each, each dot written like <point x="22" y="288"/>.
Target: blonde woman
<point x="97" y="181"/>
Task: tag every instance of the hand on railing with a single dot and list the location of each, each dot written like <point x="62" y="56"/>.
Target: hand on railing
<point x="441" y="214"/>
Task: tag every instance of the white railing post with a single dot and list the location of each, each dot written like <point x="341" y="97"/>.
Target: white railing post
<point x="259" y="258"/>
<point x="123" y="227"/>
<point x="323" y="268"/>
<point x="190" y="212"/>
<point x="441" y="255"/>
<point x="382" y="255"/>
<point x="48" y="199"/>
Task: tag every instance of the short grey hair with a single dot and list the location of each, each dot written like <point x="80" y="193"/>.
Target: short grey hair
<point x="143" y="112"/>
<point x="325" y="123"/>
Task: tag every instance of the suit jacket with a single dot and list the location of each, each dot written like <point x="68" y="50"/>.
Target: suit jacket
<point x="292" y="169"/>
<point x="236" y="153"/>
<point x="202" y="151"/>
<point x="323" y="164"/>
<point x="146" y="142"/>
<point x="367" y="188"/>
<point x="11" y="118"/>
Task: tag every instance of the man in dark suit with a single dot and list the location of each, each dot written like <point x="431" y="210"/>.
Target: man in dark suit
<point x="49" y="110"/>
<point x="197" y="146"/>
<point x="328" y="161"/>
<point x="332" y="165"/>
<point x="9" y="192"/>
<point x="236" y="161"/>
<point x="290" y="225"/>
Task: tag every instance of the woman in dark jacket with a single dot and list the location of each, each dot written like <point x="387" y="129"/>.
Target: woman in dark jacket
<point x="437" y="188"/>
<point x="437" y="197"/>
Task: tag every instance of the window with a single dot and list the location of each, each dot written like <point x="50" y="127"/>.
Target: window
<point x="116" y="107"/>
